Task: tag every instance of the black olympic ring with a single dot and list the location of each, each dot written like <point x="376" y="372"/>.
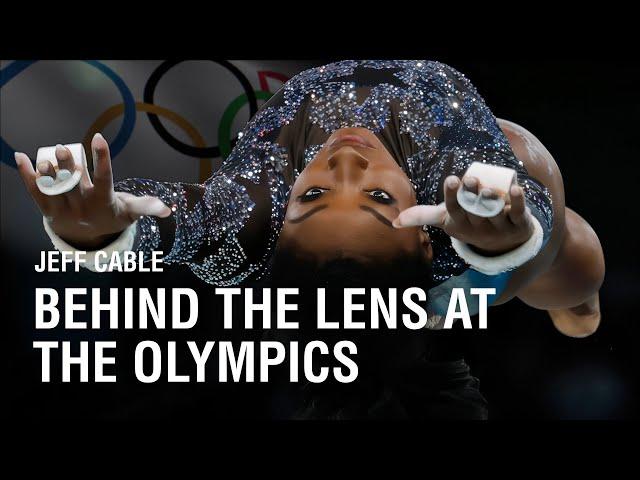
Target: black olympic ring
<point x="202" y="152"/>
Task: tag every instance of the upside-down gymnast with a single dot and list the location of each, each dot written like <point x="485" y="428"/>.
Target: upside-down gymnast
<point x="333" y="171"/>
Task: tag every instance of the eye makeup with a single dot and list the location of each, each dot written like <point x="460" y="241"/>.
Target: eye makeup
<point x="312" y="194"/>
<point x="380" y="196"/>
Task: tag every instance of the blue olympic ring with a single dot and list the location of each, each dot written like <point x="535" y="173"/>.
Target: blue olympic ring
<point x="128" y="120"/>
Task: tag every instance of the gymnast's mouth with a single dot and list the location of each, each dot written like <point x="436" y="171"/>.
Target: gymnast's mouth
<point x="350" y="140"/>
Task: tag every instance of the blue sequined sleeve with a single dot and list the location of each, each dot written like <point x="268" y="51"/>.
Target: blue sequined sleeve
<point x="225" y="229"/>
<point x="466" y="131"/>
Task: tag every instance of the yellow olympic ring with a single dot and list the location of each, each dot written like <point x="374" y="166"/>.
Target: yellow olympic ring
<point x="206" y="167"/>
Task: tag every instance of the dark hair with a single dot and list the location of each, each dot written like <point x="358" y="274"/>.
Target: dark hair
<point x="291" y="270"/>
<point x="381" y="354"/>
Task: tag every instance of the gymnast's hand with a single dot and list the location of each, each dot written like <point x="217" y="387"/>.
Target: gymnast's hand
<point x="92" y="214"/>
<point x="489" y="236"/>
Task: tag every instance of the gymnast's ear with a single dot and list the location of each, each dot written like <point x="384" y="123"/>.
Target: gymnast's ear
<point x="425" y="244"/>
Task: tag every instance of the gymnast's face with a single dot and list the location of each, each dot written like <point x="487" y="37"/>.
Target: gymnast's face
<point x="343" y="203"/>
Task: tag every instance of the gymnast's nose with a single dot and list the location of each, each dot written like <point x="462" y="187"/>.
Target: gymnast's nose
<point x="348" y="164"/>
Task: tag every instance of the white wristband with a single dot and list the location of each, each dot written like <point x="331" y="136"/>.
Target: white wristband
<point x="505" y="262"/>
<point x="121" y="244"/>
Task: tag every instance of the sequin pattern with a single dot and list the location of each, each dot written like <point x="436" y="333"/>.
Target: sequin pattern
<point x="310" y="153"/>
<point x="437" y="108"/>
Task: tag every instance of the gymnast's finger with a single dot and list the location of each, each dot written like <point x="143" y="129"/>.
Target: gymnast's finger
<point x="66" y="168"/>
<point x="501" y="220"/>
<point x="102" y="172"/>
<point x="28" y="175"/>
<point x="517" y="210"/>
<point x="45" y="169"/>
<point x="485" y="194"/>
<point x="470" y="184"/>
<point x="455" y="211"/>
<point x="137" y="207"/>
<point x="421" y="215"/>
<point x="65" y="159"/>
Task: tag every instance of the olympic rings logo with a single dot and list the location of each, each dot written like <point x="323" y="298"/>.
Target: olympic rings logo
<point x="128" y="108"/>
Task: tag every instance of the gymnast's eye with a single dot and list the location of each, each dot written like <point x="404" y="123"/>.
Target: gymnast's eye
<point x="380" y="196"/>
<point x="312" y="194"/>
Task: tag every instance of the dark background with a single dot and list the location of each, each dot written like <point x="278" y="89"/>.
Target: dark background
<point x="585" y="112"/>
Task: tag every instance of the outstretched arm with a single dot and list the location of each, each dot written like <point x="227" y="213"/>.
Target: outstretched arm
<point x="220" y="229"/>
<point x="565" y="275"/>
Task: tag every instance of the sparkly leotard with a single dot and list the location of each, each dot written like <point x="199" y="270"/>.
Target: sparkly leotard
<point x="428" y="115"/>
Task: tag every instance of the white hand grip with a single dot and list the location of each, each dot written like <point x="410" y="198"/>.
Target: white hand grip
<point x="65" y="181"/>
<point x="497" y="178"/>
